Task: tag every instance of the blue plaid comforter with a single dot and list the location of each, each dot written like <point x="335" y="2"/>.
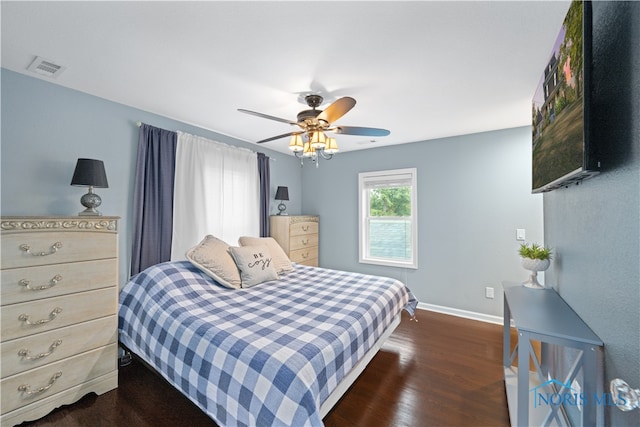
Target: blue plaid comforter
<point x="267" y="355"/>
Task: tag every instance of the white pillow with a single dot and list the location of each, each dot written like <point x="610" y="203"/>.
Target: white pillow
<point x="255" y="264"/>
<point x="281" y="261"/>
<point x="212" y="256"/>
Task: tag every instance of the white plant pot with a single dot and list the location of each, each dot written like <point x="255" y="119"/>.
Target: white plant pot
<point x="534" y="265"/>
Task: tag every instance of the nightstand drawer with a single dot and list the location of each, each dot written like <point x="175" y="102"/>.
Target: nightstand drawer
<point x="303" y="227"/>
<point x="48" y="247"/>
<point x="32" y="283"/>
<point x="303" y="241"/>
<point x="297" y="236"/>
<point x="56" y="377"/>
<point x="305" y="256"/>
<point x="36" y="350"/>
<point x="28" y="318"/>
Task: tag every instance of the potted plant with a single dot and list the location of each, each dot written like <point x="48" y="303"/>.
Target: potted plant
<point x="534" y="258"/>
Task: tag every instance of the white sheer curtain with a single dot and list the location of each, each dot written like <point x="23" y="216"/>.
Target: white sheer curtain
<point x="217" y="191"/>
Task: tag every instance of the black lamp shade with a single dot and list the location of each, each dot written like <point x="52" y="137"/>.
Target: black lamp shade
<point x="90" y="172"/>
<point x="282" y="193"/>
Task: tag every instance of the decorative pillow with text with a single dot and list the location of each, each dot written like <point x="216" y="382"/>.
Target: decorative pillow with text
<point x="255" y="264"/>
<point x="281" y="261"/>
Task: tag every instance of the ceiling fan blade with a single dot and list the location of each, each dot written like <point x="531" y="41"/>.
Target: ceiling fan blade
<point x="273" y="138"/>
<point x="266" y="116"/>
<point x="357" y="130"/>
<point x="338" y="109"/>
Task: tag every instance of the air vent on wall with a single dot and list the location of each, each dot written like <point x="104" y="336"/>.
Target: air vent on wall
<point x="45" y="67"/>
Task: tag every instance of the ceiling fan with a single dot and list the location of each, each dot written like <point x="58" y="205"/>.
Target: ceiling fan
<point x="311" y="139"/>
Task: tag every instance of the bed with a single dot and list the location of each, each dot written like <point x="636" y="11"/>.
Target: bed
<point x="279" y="353"/>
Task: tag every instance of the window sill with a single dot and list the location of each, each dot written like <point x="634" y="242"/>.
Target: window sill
<point x="386" y="263"/>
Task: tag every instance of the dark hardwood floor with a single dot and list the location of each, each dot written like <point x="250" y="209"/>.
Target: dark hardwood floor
<point x="440" y="371"/>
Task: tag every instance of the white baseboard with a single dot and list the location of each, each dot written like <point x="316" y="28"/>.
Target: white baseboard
<point x="488" y="318"/>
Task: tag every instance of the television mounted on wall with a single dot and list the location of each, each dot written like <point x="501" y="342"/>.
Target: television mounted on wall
<point x="563" y="152"/>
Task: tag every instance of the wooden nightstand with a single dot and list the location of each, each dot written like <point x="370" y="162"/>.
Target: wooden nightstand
<point x="298" y="236"/>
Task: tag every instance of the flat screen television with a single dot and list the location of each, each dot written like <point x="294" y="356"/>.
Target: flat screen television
<point x="562" y="150"/>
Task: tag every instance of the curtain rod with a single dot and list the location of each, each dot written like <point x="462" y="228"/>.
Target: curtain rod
<point x="139" y="124"/>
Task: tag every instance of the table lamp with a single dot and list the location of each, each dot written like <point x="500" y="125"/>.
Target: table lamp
<point x="282" y="193"/>
<point x="90" y="173"/>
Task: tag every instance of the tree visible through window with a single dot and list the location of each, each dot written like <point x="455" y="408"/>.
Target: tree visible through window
<point x="391" y="201"/>
<point x="388" y="229"/>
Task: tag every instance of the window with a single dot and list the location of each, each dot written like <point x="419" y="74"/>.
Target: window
<point x="218" y="182"/>
<point x="388" y="218"/>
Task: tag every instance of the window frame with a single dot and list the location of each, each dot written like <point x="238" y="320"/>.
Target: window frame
<point x="365" y="178"/>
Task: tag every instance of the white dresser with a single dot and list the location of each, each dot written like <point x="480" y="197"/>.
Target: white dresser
<point x="298" y="236"/>
<point x="59" y="289"/>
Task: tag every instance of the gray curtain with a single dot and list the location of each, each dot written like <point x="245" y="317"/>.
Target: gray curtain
<point x="153" y="197"/>
<point x="265" y="183"/>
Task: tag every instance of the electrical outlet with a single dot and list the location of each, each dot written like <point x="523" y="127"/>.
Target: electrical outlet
<point x="488" y="292"/>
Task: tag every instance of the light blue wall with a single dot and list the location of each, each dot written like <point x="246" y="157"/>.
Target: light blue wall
<point x="473" y="192"/>
<point x="595" y="227"/>
<point x="46" y="127"/>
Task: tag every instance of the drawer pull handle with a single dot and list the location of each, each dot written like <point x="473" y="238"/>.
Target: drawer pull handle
<point x="52" y="250"/>
<point x="305" y="242"/>
<point x="27" y="283"/>
<point x="26" y="388"/>
<point x="26" y="354"/>
<point x="27" y="319"/>
<point x="305" y="255"/>
<point x="305" y="228"/>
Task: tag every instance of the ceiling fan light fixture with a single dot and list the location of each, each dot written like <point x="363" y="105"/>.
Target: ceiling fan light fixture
<point x="318" y="139"/>
<point x="309" y="151"/>
<point x="310" y="140"/>
<point x="332" y="146"/>
<point x="296" y="144"/>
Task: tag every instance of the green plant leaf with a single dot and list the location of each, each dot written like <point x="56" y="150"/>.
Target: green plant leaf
<point x="534" y="251"/>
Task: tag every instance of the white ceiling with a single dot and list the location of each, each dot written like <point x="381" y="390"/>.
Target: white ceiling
<point x="421" y="69"/>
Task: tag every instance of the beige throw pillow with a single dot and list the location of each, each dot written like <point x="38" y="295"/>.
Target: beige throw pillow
<point x="255" y="264"/>
<point x="212" y="256"/>
<point x="281" y="261"/>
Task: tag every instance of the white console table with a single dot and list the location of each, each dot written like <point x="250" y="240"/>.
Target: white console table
<point x="542" y="315"/>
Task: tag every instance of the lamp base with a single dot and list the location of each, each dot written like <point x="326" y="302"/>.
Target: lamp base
<point x="90" y="201"/>
<point x="282" y="207"/>
<point x="90" y="212"/>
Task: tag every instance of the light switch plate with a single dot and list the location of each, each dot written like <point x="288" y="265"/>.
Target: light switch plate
<point x="520" y="234"/>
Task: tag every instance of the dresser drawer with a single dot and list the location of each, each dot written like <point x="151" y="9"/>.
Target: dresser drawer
<point x="307" y="256"/>
<point x="56" y="377"/>
<point x="44" y="248"/>
<point x="303" y="227"/>
<point x="298" y="237"/>
<point x="56" y="312"/>
<point x="31" y="283"/>
<point x="303" y="241"/>
<point x="51" y="346"/>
